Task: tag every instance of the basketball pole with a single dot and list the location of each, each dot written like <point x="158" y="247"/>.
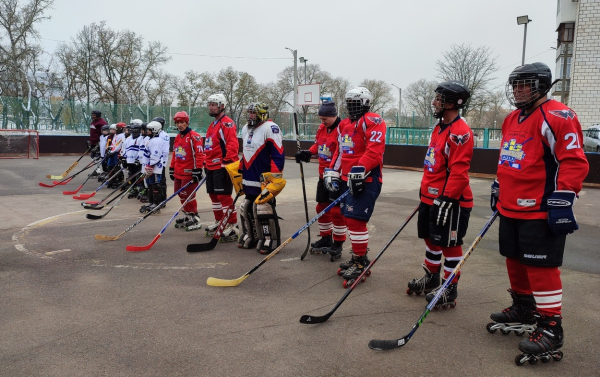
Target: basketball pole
<point x="295" y="53"/>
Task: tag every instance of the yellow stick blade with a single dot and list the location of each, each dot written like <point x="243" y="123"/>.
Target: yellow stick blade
<point x="56" y="177"/>
<point x="224" y="282"/>
<point x="102" y="237"/>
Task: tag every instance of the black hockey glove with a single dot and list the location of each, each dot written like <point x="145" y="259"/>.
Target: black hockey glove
<point x="197" y="175"/>
<point x="495" y="194"/>
<point x="441" y="211"/>
<point x="561" y="218"/>
<point x="303" y="156"/>
<point x="356" y="179"/>
<point x="172" y="173"/>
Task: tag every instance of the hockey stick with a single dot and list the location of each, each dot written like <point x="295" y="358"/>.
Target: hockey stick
<point x="70" y="167"/>
<point x="149" y="246"/>
<point x="235" y="282"/>
<point x="303" y="187"/>
<point x="200" y="247"/>
<point x="102" y="237"/>
<point x="87" y="196"/>
<point x="382" y="345"/>
<point x="84" y="182"/>
<point x="120" y="196"/>
<point x="68" y="179"/>
<point x="309" y="319"/>
<point x="97" y="205"/>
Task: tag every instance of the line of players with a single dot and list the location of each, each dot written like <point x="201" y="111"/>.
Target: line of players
<point x="541" y="161"/>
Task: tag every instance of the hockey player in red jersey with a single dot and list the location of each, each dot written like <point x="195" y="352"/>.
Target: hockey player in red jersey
<point x="262" y="180"/>
<point x="221" y="148"/>
<point x="540" y="172"/>
<point x="357" y="165"/>
<point x="186" y="165"/>
<point x="446" y="197"/>
<point x="332" y="227"/>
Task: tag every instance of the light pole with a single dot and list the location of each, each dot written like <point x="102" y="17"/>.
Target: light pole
<point x="302" y="60"/>
<point x="523" y="20"/>
<point x="399" y="102"/>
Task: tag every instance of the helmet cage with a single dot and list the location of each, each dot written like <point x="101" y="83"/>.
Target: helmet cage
<point x="356" y="108"/>
<point x="523" y="100"/>
<point x="135" y="130"/>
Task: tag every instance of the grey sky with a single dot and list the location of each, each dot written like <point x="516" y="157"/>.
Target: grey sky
<point x="395" y="41"/>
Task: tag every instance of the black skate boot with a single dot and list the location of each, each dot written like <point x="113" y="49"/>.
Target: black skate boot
<point x="543" y="343"/>
<point x="230" y="233"/>
<point x="211" y="229"/>
<point x="518" y="317"/>
<point x="355" y="267"/>
<point x="133" y="193"/>
<point x="325" y="242"/>
<point x="425" y="283"/>
<point x="180" y="222"/>
<point x="193" y="223"/>
<point x="335" y="250"/>
<point x="447" y="299"/>
<point x="149" y="208"/>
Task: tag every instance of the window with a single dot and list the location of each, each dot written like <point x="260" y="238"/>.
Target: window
<point x="566" y="32"/>
<point x="560" y="67"/>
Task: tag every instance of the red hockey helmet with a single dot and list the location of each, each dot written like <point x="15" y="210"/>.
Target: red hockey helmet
<point x="181" y="116"/>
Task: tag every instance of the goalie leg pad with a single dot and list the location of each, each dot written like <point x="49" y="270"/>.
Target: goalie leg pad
<point x="268" y="231"/>
<point x="247" y="239"/>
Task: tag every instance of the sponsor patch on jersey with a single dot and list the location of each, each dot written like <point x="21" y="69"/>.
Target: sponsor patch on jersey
<point x="526" y="202"/>
<point x="432" y="190"/>
<point x="324" y="152"/>
<point x="250" y="134"/>
<point x="512" y="153"/>
<point x="347" y="144"/>
<point x="460" y="139"/>
<point x="429" y="162"/>
<point x="208" y="144"/>
<point x="180" y="153"/>
<point x="216" y="160"/>
<point x="564" y="114"/>
<point x="376" y="120"/>
<point x="275" y="129"/>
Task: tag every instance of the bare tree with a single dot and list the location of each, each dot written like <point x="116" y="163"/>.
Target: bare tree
<point x="240" y="88"/>
<point x="194" y="88"/>
<point x="473" y="66"/>
<point x="383" y="95"/>
<point x="418" y="96"/>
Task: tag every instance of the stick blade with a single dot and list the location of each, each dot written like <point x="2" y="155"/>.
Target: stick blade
<point x="59" y="177"/>
<point x="93" y="217"/>
<point x="56" y="183"/>
<point x="385" y="345"/>
<point x="200" y="247"/>
<point x="214" y="282"/>
<point x="46" y="185"/>
<point x="102" y="237"/>
<point x="84" y="196"/>
<point x="143" y="248"/>
<point x="311" y="319"/>
<point x="93" y="207"/>
<point x="72" y="192"/>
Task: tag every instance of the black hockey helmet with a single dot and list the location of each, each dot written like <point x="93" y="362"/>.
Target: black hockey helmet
<point x="97" y="113"/>
<point x="536" y="76"/>
<point x="106" y="127"/>
<point x="135" y="130"/>
<point x="453" y="91"/>
<point x="160" y="120"/>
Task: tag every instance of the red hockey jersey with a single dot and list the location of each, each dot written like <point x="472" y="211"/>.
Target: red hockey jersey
<point x="539" y="154"/>
<point x="326" y="143"/>
<point x="187" y="154"/>
<point x="221" y="143"/>
<point x="360" y="143"/>
<point x="447" y="162"/>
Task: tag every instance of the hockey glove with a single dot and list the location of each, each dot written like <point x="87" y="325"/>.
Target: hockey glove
<point x="303" y="156"/>
<point x="356" y="179"/>
<point x="197" y="175"/>
<point x="271" y="185"/>
<point x="172" y="173"/>
<point x="494" y="195"/>
<point x="332" y="180"/>
<point x="236" y="176"/>
<point x="561" y="218"/>
<point x="149" y="170"/>
<point x="441" y="210"/>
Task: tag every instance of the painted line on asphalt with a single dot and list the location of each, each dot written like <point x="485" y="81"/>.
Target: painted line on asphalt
<point x="157" y="266"/>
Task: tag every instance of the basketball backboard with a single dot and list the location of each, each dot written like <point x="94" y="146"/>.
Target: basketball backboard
<point x="309" y="94"/>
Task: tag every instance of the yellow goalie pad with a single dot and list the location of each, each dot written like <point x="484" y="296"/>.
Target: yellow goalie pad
<point x="271" y="184"/>
<point x="236" y="176"/>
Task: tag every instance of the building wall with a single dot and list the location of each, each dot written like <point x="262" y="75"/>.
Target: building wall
<point x="585" y="77"/>
<point x="566" y="11"/>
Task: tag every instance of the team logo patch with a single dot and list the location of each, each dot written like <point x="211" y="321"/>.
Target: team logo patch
<point x="250" y="134"/>
<point x="565" y="114"/>
<point x="275" y="129"/>
<point x="228" y="124"/>
<point x="512" y="153"/>
<point x="197" y="137"/>
<point x="375" y="120"/>
<point x="208" y="143"/>
<point x="429" y="162"/>
<point x="347" y="144"/>
<point x="460" y="139"/>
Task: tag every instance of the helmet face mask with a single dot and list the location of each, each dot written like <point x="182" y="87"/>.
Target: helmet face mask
<point x="257" y="113"/>
<point x="527" y="84"/>
<point x="452" y="92"/>
<point x="135" y="130"/>
<point x="358" y="102"/>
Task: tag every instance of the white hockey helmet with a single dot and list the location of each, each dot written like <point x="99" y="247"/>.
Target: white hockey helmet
<point x="136" y="122"/>
<point x="218" y="98"/>
<point x="113" y="127"/>
<point x="358" y="101"/>
<point x="155" y="127"/>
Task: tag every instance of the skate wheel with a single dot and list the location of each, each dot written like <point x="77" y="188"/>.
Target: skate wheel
<point x="489" y="328"/>
<point x="533" y="360"/>
<point x="519" y="333"/>
<point x="323" y="251"/>
<point x="504" y="332"/>
<point x="409" y="292"/>
<point x="340" y="272"/>
<point x="520" y="360"/>
<point x="368" y="273"/>
<point x="558" y="356"/>
<point x="452" y="305"/>
<point x="545" y="359"/>
<point x="364" y="278"/>
<point x="347" y="283"/>
<point x="418" y="293"/>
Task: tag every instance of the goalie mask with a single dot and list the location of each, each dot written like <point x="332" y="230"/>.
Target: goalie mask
<point x="220" y="101"/>
<point x="454" y="92"/>
<point x="258" y="113"/>
<point x="527" y="84"/>
<point x="358" y="102"/>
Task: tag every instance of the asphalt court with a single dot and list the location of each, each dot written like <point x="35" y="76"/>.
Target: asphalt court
<point x="72" y="305"/>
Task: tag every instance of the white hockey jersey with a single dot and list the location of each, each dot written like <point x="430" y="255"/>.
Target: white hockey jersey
<point x="142" y="150"/>
<point x="117" y="143"/>
<point x="132" y="149"/>
<point x="155" y="154"/>
<point x="102" y="145"/>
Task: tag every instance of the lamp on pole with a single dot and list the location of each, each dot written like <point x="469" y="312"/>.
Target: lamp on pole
<point x="302" y="60"/>
<point x="399" y="102"/>
<point x="523" y="20"/>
